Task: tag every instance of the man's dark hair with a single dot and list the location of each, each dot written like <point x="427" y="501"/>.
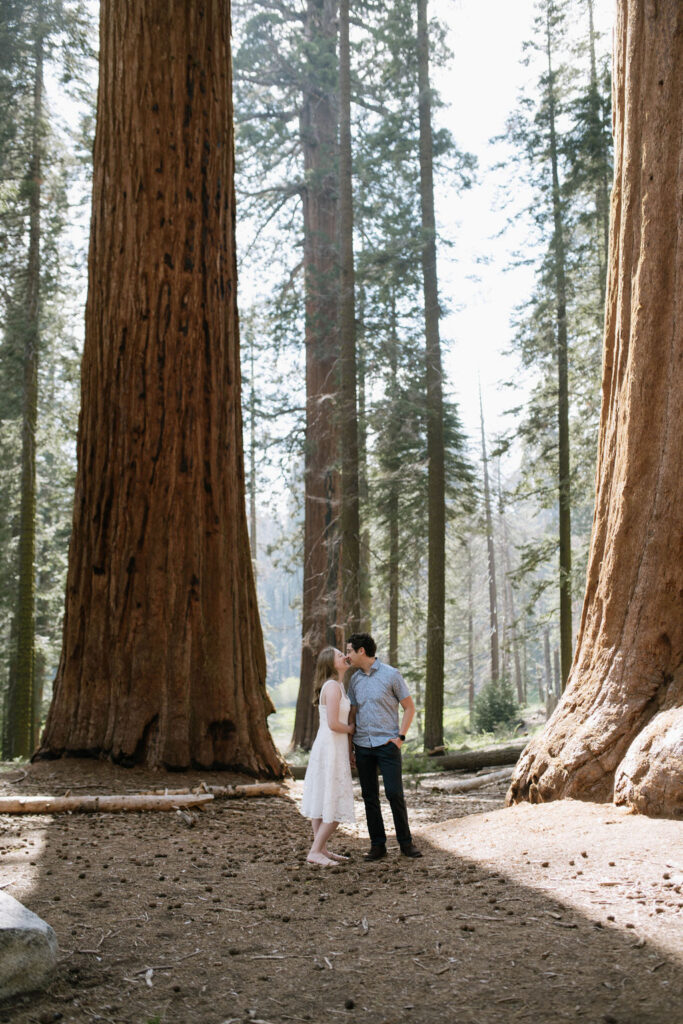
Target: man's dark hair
<point x="364" y="640"/>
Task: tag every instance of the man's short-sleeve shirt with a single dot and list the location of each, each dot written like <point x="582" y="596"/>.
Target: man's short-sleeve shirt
<point x="376" y="696"/>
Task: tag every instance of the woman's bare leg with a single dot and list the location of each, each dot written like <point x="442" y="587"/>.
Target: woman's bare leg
<point x="315" y="824"/>
<point x="316" y="854"/>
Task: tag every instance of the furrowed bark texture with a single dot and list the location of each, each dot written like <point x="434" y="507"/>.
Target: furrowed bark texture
<point x="162" y="659"/>
<point x="321" y="586"/>
<point x="624" y="701"/>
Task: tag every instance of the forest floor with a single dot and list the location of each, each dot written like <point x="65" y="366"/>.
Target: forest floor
<point x="563" y="912"/>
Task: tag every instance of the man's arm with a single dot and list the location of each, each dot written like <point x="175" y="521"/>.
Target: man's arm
<point x="408" y="705"/>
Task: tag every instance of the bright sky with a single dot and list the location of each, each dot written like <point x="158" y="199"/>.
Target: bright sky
<point x="481" y="86"/>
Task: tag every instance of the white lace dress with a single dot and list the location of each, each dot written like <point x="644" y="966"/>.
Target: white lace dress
<point x="328" y="790"/>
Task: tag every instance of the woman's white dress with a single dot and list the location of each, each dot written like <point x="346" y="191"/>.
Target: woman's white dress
<point x="328" y="790"/>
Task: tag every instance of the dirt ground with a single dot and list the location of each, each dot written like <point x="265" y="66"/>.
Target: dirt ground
<point x="566" y="912"/>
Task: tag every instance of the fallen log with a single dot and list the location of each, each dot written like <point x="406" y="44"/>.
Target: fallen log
<point x="130" y="802"/>
<point x="249" y="790"/>
<point x="444" y="785"/>
<point x="485" y="757"/>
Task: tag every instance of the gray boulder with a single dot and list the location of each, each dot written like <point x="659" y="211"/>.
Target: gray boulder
<point x="28" y="949"/>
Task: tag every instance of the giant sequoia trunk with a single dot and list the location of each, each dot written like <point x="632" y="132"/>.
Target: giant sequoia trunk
<point x="162" y="658"/>
<point x="618" y="730"/>
<point x="318" y="129"/>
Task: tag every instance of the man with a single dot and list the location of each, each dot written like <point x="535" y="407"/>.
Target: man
<point x="375" y="691"/>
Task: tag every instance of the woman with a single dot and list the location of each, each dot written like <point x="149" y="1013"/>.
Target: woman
<point x="328" y="790"/>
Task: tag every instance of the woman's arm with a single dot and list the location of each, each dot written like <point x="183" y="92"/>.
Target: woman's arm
<point x="332" y="699"/>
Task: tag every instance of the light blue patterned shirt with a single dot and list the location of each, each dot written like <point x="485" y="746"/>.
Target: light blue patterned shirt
<point x="376" y="695"/>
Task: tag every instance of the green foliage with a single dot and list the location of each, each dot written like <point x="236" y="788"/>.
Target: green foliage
<point x="62" y="31"/>
<point x="494" y="706"/>
<point x="571" y="84"/>
<point x="276" y="66"/>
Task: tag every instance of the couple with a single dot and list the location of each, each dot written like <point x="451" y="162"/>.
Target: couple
<point x="369" y="713"/>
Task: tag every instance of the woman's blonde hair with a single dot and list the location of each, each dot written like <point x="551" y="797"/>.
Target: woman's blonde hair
<point x="324" y="670"/>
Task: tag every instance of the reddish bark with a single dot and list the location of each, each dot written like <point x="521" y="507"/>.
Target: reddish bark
<point x="625" y="692"/>
<point x="162" y="658"/>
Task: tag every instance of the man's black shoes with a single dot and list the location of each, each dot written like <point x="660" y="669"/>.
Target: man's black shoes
<point x="378" y="852"/>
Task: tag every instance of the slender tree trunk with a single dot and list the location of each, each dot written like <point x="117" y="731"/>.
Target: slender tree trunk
<point x="564" y="483"/>
<point x="8" y="701"/>
<point x="21" y="718"/>
<point x="38" y="686"/>
<point x="253" y="539"/>
<point x="348" y="431"/>
<point x="512" y="629"/>
<point x="363" y="490"/>
<point x="419" y="703"/>
<point x="514" y="637"/>
<point x="162" y="659"/>
<point x="436" y="597"/>
<point x="393" y="514"/>
<point x="491" y="551"/>
<point x="318" y="130"/>
<point x="470" y="638"/>
<point x="616" y="732"/>
<point x="549" y="688"/>
<point x="603" y="187"/>
<point x="393" y="510"/>
<point x="505" y="636"/>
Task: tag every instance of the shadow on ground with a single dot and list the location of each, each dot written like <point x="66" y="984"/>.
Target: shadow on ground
<point x="223" y="922"/>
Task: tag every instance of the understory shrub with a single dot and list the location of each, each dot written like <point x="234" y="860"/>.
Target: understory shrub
<point x="495" y="705"/>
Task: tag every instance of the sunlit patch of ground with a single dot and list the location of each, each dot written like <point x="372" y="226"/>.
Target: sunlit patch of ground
<point x="224" y="921"/>
<point x="620" y="870"/>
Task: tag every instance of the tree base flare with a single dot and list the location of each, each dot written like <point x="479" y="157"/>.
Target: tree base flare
<point x="274" y="769"/>
<point x="650" y="778"/>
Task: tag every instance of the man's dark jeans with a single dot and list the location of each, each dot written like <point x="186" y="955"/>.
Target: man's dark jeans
<point x="388" y="759"/>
